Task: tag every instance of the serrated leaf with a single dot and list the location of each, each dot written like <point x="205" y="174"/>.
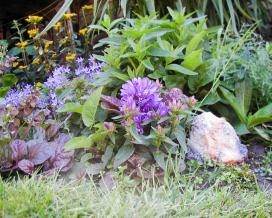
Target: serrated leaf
<point x="90" y="107"/>
<point x="123" y="154"/>
<point x="180" y="69"/>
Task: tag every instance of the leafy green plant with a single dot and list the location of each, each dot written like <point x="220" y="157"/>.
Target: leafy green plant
<point x="167" y="49"/>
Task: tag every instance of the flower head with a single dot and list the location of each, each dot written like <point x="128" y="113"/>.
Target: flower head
<point x="83" y="31"/>
<point x="57" y="26"/>
<point x="68" y="16"/>
<point x="32" y="33"/>
<point x="17" y="95"/>
<point x="87" y="7"/>
<point x="70" y="57"/>
<point x="22" y="44"/>
<point x="58" y="79"/>
<point x="34" y="19"/>
<point x="141" y="101"/>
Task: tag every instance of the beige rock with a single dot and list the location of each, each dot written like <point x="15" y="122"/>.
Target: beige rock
<point x="214" y="138"/>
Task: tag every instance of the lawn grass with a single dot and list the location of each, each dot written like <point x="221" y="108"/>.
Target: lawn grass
<point x="32" y="197"/>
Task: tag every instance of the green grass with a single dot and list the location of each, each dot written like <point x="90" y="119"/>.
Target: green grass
<point x="32" y="197"/>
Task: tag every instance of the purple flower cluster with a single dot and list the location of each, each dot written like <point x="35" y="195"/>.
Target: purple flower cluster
<point x="58" y="79"/>
<point x="141" y="101"/>
<point x="17" y="95"/>
<point x="88" y="70"/>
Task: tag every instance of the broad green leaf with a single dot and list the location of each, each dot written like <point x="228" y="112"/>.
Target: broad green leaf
<point x="158" y="52"/>
<point x="71" y="107"/>
<point x="235" y="104"/>
<point x="120" y="76"/>
<point x="78" y="142"/>
<point x="263" y="115"/>
<point x="57" y="17"/>
<point x="180" y="69"/>
<point x="193" y="60"/>
<point x="9" y="80"/>
<point x="3" y="91"/>
<point x="90" y="107"/>
<point x="148" y="64"/>
<point x="159" y="157"/>
<point x="194" y="42"/>
<point x="123" y="154"/>
<point x="243" y="92"/>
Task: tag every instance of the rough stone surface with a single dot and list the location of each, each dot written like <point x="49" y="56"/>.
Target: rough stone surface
<point x="214" y="138"/>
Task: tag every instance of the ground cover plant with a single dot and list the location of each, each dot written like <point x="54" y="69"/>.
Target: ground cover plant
<point x="118" y="113"/>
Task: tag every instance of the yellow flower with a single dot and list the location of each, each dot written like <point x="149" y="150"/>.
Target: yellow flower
<point x="83" y="31"/>
<point x="57" y="26"/>
<point x="47" y="43"/>
<point x="70" y="56"/>
<point x="68" y="16"/>
<point x="22" y="44"/>
<point x="34" y="19"/>
<point x="87" y="7"/>
<point x="38" y="84"/>
<point x="32" y="33"/>
<point x="22" y="67"/>
<point x="15" y="64"/>
<point x="36" y="61"/>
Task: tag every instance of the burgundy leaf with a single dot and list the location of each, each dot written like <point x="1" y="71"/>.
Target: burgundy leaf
<point x="40" y="152"/>
<point x="19" y="149"/>
<point x="26" y="166"/>
<point x="61" y="159"/>
<point x="112" y="100"/>
<point x="107" y="106"/>
<point x="52" y="131"/>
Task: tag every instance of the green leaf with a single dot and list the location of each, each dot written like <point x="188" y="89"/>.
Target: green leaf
<point x="3" y="91"/>
<point x="150" y="4"/>
<point x="123" y="155"/>
<point x="263" y="115"/>
<point x="243" y="91"/>
<point x="78" y="142"/>
<point x="194" y="42"/>
<point x="9" y="80"/>
<point x="193" y="60"/>
<point x="71" y="107"/>
<point x="158" y="52"/>
<point x="180" y="69"/>
<point x="235" y="104"/>
<point x="159" y="157"/>
<point x="120" y="76"/>
<point x="90" y="107"/>
<point x="148" y="64"/>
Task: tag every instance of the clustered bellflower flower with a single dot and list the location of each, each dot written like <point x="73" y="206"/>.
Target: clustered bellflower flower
<point x="141" y="101"/>
<point x="17" y="95"/>
<point x="88" y="70"/>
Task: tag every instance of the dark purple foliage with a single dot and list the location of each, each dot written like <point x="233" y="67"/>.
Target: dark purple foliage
<point x="19" y="149"/>
<point x="26" y="166"/>
<point x="40" y="152"/>
<point x="60" y="160"/>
